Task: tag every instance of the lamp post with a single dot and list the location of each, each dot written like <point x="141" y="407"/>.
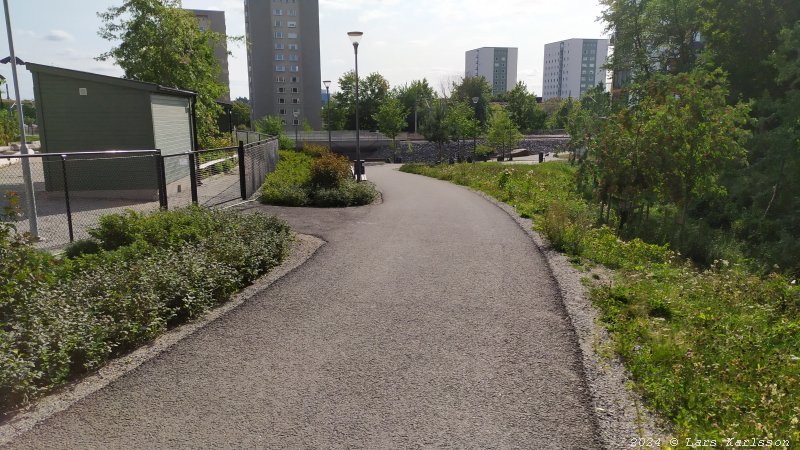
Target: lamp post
<point x="296" y="115"/>
<point x="327" y="84"/>
<point x="355" y="38"/>
<point x="30" y="198"/>
<point x="475" y="136"/>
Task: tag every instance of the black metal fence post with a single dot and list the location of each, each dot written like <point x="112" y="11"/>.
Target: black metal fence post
<point x="193" y="176"/>
<point x="242" y="180"/>
<point x="66" y="198"/>
<point x="162" y="181"/>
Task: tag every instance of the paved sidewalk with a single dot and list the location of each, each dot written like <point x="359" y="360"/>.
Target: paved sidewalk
<point x="429" y="320"/>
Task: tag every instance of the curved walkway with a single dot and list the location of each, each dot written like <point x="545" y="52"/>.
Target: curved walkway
<point x="429" y="320"/>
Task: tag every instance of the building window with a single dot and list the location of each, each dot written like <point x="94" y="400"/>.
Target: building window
<point x="280" y="79"/>
<point x="278" y="12"/>
<point x="295" y="90"/>
<point x="295" y="79"/>
<point x="293" y="57"/>
<point x="280" y="68"/>
<point x="294" y="68"/>
<point x="279" y="34"/>
<point x="293" y="46"/>
<point x="281" y="101"/>
<point x="292" y="12"/>
<point x="281" y="90"/>
<point x="296" y="101"/>
<point x="291" y="24"/>
<point x="279" y="46"/>
<point x="282" y="112"/>
<point x="292" y="35"/>
<point x="296" y="122"/>
<point x="278" y="24"/>
<point x="279" y="57"/>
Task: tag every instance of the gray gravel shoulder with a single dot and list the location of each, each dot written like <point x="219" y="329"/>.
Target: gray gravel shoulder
<point x="302" y="249"/>
<point x="621" y="413"/>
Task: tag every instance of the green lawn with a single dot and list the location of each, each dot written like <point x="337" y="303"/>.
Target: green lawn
<point x="715" y="350"/>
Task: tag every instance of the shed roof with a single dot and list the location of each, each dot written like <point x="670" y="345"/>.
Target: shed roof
<point x="122" y="82"/>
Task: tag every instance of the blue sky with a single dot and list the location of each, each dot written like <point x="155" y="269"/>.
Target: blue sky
<point x="404" y="40"/>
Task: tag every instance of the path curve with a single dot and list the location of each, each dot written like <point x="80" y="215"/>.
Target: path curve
<point x="429" y="320"/>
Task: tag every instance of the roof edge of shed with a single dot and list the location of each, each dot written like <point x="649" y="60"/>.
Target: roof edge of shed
<point x="133" y="84"/>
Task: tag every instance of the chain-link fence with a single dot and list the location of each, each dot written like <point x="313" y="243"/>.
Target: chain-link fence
<point x="72" y="191"/>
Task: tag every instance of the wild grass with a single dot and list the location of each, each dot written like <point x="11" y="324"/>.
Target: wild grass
<point x="715" y="349"/>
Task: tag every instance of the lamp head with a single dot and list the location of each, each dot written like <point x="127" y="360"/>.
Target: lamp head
<point x="475" y="100"/>
<point x="327" y="83"/>
<point x="355" y="37"/>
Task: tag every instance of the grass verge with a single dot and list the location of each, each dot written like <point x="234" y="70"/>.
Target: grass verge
<point x="716" y="350"/>
<point x="138" y="276"/>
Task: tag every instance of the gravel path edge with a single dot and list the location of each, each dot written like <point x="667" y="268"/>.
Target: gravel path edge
<point x="620" y="412"/>
<point x="302" y="249"/>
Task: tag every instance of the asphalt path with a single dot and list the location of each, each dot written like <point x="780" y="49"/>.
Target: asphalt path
<point x="428" y="320"/>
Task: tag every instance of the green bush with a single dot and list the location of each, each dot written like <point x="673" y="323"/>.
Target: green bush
<point x="326" y="181"/>
<point x="82" y="247"/>
<point x="61" y="318"/>
<point x="329" y="171"/>
<point x="315" y="150"/>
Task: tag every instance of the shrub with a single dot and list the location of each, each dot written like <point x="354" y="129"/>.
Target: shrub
<point x="329" y="171"/>
<point x="315" y="150"/>
<point x="82" y="247"/>
<point x="62" y="318"/>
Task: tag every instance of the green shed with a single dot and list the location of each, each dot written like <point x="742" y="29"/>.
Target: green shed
<point x="81" y="112"/>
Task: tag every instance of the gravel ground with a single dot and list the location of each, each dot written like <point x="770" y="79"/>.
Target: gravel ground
<point x="429" y="320"/>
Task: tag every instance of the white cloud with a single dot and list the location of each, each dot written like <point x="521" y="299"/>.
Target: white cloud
<point x="59" y="36"/>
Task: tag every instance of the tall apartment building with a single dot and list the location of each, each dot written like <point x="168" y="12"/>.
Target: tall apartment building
<point x="283" y="60"/>
<point x="215" y="21"/>
<point x="573" y="66"/>
<point x="497" y="64"/>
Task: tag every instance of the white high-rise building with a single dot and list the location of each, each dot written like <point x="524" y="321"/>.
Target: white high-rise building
<point x="497" y="64"/>
<point x="574" y="66"/>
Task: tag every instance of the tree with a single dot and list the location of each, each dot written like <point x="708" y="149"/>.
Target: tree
<point x="372" y="92"/>
<point x="475" y="87"/>
<point x="435" y="127"/>
<point x="502" y="133"/>
<point x="335" y="115"/>
<point x="271" y="125"/>
<point x="523" y="109"/>
<point x="240" y="113"/>
<point x="461" y="121"/>
<point x="414" y="97"/>
<point x="158" y="42"/>
<point x="391" y="118"/>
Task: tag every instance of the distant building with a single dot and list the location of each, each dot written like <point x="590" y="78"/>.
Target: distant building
<point x="497" y="64"/>
<point x="574" y="66"/>
<point x="215" y="21"/>
<point x="283" y="58"/>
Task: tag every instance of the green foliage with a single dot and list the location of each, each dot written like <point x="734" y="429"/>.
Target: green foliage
<point x="9" y="130"/>
<point x="62" y="318"/>
<point x="475" y="87"/>
<point x="240" y="114"/>
<point x="559" y="117"/>
<point x="329" y="171"/>
<point x="523" y="109"/>
<point x="390" y="118"/>
<point x="373" y="91"/>
<point x="716" y="351"/>
<point x="159" y="42"/>
<point x="435" y="127"/>
<point x="271" y="125"/>
<point x="413" y="97"/>
<point x="323" y="181"/>
<point x="503" y="134"/>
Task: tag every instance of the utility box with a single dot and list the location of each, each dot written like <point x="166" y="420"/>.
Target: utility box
<point x="81" y="112"/>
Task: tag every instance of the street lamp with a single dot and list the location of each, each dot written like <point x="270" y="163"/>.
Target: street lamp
<point x="355" y="38"/>
<point x="327" y="84"/>
<point x="30" y="196"/>
<point x="475" y="135"/>
<point x="296" y="115"/>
